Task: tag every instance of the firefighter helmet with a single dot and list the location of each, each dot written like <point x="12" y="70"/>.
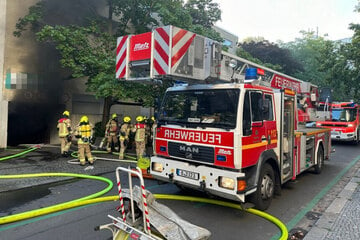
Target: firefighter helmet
<point x="153" y="118"/>
<point x="66" y="113"/>
<point x="127" y="119"/>
<point x="139" y="118"/>
<point x="84" y="119"/>
<point x="113" y="116"/>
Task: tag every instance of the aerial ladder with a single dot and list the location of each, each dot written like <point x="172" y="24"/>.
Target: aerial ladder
<point x="173" y="53"/>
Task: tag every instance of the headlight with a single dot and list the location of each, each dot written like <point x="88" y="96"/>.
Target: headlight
<point x="318" y="124"/>
<point x="157" y="167"/>
<point x="350" y="125"/>
<point x="227" y="183"/>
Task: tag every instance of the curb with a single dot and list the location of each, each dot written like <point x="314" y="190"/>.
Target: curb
<point x="326" y="222"/>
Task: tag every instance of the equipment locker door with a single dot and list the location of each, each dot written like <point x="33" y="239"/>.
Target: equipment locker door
<point x="287" y="137"/>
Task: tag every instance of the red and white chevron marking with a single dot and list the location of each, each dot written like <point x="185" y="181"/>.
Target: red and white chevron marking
<point x="146" y="211"/>
<point x="181" y="42"/>
<point x="121" y="207"/>
<point x="121" y="52"/>
<point x="161" y="50"/>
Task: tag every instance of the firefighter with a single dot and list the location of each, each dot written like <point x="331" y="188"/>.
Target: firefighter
<point x="84" y="133"/>
<point x="64" y="129"/>
<point x="124" y="135"/>
<point x="112" y="133"/>
<point x="150" y="127"/>
<point x="140" y="137"/>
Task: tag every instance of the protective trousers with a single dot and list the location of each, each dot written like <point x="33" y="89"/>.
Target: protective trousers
<point x="65" y="145"/>
<point x="140" y="148"/>
<point x="112" y="139"/>
<point x="122" y="148"/>
<point x="84" y="150"/>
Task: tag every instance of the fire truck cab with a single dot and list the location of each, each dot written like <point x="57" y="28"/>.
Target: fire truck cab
<point x="238" y="134"/>
<point x="345" y="122"/>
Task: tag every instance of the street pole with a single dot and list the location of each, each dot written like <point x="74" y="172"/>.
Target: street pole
<point x="3" y="103"/>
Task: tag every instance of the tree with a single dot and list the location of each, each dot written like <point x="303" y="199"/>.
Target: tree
<point x="327" y="64"/>
<point x="88" y="48"/>
<point x="244" y="54"/>
<point x="268" y="52"/>
<point x="204" y="14"/>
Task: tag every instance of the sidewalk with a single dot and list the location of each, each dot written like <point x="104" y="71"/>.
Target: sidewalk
<point x="49" y="159"/>
<point x="341" y="220"/>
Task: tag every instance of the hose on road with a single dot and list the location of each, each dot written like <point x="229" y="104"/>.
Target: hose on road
<point x="94" y="198"/>
<point x="57" y="207"/>
<point x="19" y="154"/>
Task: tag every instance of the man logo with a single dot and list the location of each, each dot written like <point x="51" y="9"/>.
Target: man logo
<point x="189" y="149"/>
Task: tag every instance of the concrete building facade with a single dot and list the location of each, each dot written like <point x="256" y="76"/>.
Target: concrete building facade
<point x="35" y="89"/>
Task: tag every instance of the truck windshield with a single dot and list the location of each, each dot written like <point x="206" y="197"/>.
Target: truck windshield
<point x="344" y="114"/>
<point x="201" y="108"/>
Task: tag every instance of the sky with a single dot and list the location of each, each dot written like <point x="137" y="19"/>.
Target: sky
<point x="284" y="19"/>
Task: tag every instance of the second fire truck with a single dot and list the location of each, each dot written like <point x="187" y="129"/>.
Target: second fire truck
<point x="238" y="135"/>
<point x="345" y="122"/>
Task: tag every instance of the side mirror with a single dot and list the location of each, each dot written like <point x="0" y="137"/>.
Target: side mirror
<point x="313" y="97"/>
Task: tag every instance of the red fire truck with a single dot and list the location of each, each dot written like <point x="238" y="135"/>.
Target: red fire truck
<point x="345" y="122"/>
<point x="237" y="135"/>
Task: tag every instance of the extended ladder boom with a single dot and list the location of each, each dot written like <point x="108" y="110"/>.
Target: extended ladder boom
<point x="171" y="52"/>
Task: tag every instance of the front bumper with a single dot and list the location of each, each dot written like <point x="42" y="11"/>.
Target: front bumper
<point x="340" y="136"/>
<point x="208" y="178"/>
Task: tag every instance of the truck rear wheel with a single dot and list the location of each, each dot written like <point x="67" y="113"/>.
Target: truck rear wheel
<point x="320" y="160"/>
<point x="265" y="188"/>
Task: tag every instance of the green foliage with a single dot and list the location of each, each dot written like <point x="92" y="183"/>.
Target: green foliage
<point x="203" y="12"/>
<point x="33" y="18"/>
<point x="244" y="54"/>
<point x="271" y="53"/>
<point x="88" y="48"/>
<point x="172" y="12"/>
<point x="139" y="14"/>
<point x="327" y="64"/>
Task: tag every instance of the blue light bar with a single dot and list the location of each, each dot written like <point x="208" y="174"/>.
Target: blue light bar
<point x="251" y="74"/>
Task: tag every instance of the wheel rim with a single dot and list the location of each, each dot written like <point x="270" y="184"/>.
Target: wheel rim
<point x="267" y="187"/>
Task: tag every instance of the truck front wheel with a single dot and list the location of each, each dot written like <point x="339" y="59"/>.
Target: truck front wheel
<point x="265" y="188"/>
<point x="320" y="160"/>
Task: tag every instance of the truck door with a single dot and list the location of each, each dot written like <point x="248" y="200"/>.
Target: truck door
<point x="287" y="137"/>
<point x="257" y="126"/>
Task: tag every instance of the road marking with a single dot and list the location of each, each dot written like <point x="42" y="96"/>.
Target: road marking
<point x="295" y="220"/>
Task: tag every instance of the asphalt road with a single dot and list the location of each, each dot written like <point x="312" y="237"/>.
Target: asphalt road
<point x="309" y="192"/>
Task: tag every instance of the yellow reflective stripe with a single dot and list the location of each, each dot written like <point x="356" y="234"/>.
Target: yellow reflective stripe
<point x="254" y="145"/>
<point x="260" y="144"/>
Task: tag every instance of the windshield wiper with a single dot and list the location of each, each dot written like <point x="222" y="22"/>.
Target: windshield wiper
<point x="165" y="122"/>
<point x="223" y="125"/>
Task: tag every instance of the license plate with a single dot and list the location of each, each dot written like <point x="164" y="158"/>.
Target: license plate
<point x="187" y="174"/>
